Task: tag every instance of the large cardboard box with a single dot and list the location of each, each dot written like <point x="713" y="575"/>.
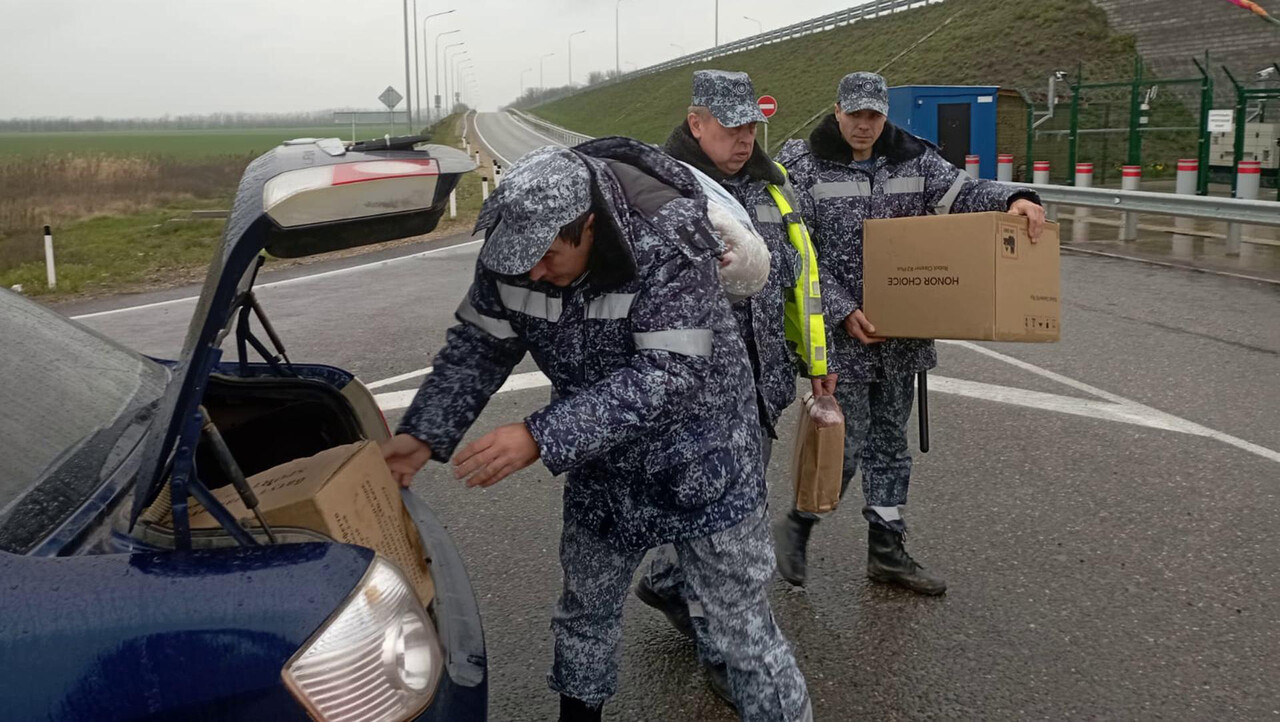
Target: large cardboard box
<point x="346" y="492"/>
<point x="970" y="276"/>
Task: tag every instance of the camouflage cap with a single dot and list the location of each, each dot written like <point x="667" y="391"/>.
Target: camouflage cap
<point x="863" y="91"/>
<point x="730" y="97"/>
<point x="540" y="194"/>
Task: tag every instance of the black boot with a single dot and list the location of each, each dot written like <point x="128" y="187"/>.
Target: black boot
<point x="888" y="562"/>
<point x="575" y="710"/>
<point x="676" y="610"/>
<point x="791" y="540"/>
<point x="718" y="679"/>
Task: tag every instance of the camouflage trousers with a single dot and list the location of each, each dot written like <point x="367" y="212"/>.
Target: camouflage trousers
<point x="728" y="571"/>
<point x="667" y="579"/>
<point x="875" y="438"/>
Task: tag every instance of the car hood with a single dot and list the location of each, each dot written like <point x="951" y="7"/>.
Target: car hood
<point x="249" y="231"/>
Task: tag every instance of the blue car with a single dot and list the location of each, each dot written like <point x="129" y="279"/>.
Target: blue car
<point x="112" y="607"/>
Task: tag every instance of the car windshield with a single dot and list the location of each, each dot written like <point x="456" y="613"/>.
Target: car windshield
<point x="63" y="389"/>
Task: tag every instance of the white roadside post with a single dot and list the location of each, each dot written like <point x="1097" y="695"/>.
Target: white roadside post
<point x="1130" y="180"/>
<point x="497" y="174"/>
<point x="453" y="203"/>
<point x="484" y="188"/>
<point x="972" y="165"/>
<point x="1040" y="177"/>
<point x="48" y="258"/>
<point x="1184" y="244"/>
<point x="1080" y="219"/>
<point x="1248" y="178"/>
<point x="1004" y="167"/>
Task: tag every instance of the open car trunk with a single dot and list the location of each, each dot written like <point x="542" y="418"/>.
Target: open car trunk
<point x="266" y="421"/>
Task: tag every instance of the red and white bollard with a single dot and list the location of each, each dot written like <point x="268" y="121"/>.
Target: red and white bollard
<point x="972" y="165"/>
<point x="1004" y="167"/>
<point x="1130" y="180"/>
<point x="1080" y="219"/>
<point x="1248" y="178"/>
<point x="1040" y="177"/>
<point x="1188" y="179"/>
<point x="1040" y="173"/>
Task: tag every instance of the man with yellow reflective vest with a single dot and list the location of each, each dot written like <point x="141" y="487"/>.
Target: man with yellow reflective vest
<point x="782" y="324"/>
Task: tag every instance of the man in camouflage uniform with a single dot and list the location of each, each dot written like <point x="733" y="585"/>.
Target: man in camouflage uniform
<point x="719" y="139"/>
<point x="856" y="166"/>
<point x="600" y="263"/>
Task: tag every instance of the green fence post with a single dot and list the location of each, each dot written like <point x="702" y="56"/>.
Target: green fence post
<point x="1242" y="113"/>
<point x="1206" y="103"/>
<point x="1074" y="130"/>
<point x="1135" y="137"/>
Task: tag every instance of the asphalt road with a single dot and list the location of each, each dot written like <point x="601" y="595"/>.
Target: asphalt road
<point x="1104" y="508"/>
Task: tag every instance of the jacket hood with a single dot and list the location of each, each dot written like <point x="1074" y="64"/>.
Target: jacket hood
<point x="894" y="143"/>
<point x="681" y="145"/>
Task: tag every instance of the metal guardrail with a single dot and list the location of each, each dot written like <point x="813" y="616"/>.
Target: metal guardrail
<point x="554" y="133"/>
<point x="871" y="9"/>
<point x="1225" y="210"/>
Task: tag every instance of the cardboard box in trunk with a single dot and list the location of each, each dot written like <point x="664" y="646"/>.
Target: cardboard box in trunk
<point x="970" y="276"/>
<point x="345" y="492"/>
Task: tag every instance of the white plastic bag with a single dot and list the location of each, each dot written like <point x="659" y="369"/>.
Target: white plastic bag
<point x="744" y="266"/>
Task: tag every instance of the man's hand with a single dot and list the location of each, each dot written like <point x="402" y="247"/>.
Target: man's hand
<point x="405" y="455"/>
<point x="824" y="385"/>
<point x="1034" y="213"/>
<point x="496" y="455"/>
<point x="857" y="326"/>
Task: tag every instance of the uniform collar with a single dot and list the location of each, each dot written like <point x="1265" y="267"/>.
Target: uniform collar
<point x="682" y="146"/>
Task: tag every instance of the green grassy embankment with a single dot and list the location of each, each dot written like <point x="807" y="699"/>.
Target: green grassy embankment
<point x="1009" y="43"/>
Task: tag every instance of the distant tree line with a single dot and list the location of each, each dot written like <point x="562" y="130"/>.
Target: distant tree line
<point x="538" y="96"/>
<point x="210" y="121"/>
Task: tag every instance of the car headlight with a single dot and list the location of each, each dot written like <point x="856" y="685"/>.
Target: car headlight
<point x="377" y="658"/>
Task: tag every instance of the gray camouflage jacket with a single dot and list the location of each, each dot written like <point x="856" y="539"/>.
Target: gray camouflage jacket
<point x="655" y="422"/>
<point x="909" y="178"/>
<point x="760" y="316"/>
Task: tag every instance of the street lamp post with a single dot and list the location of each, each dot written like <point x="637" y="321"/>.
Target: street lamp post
<point x="438" y="36"/>
<point x="759" y="25"/>
<point x="426" y="60"/>
<point x="408" y="92"/>
<point x="448" y="69"/>
<point x="541" y="84"/>
<point x="678" y="48"/>
<point x="617" y="35"/>
<point x="717" y="23"/>
<point x="571" y="55"/>
<point x="456" y="69"/>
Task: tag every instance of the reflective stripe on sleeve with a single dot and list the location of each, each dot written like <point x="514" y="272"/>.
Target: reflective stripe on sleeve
<point x="495" y="327"/>
<point x="530" y="302"/>
<point x="611" y="306"/>
<point x="944" y="205"/>
<point x="912" y="184"/>
<point x="685" y="341"/>
<point x="841" y="189"/>
<point x="768" y="214"/>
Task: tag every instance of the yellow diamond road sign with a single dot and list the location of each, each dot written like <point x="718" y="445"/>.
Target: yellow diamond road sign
<point x="390" y="98"/>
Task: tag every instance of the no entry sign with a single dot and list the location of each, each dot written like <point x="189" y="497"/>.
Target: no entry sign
<point x="768" y="105"/>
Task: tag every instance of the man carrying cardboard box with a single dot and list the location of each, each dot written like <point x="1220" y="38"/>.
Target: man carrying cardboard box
<point x="600" y="262"/>
<point x="857" y="166"/>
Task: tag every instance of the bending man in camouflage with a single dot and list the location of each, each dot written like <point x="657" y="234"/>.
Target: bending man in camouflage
<point x="719" y="139"/>
<point x="600" y="263"/>
<point x="856" y="166"/>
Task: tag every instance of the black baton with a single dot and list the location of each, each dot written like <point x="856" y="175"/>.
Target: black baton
<point x="923" y="395"/>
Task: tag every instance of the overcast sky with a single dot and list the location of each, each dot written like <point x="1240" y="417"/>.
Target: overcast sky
<point x="146" y="58"/>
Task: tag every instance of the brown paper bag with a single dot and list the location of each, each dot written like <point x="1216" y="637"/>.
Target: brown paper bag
<point x="819" y="455"/>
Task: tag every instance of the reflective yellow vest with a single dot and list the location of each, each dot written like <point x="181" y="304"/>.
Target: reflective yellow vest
<point x="805" y="327"/>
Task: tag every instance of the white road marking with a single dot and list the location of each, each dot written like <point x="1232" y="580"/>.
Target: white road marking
<point x="285" y="282"/>
<point x="1149" y="416"/>
<point x="1116" y="408"/>
<point x="492" y="151"/>
<point x="398" y="379"/>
